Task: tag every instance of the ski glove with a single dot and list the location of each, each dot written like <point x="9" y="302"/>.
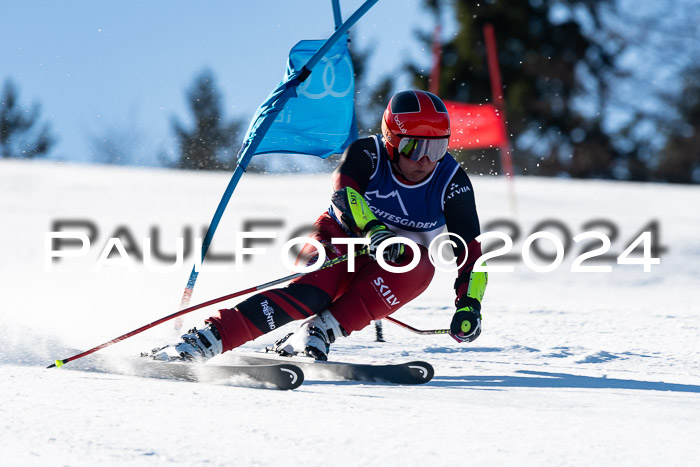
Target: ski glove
<point x="356" y="216"/>
<point x="376" y="235"/>
<point x="466" y="322"/>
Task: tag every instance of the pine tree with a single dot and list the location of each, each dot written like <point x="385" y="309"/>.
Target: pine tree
<point x="211" y="144"/>
<point x="20" y="136"/>
<point x="548" y="60"/>
<point x="680" y="159"/>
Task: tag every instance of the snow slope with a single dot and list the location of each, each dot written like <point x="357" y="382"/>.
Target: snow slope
<point x="572" y="368"/>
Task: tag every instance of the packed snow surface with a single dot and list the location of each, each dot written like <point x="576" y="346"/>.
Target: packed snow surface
<point x="598" y="368"/>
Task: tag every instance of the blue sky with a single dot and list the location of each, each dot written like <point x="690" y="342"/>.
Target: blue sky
<point x="125" y="66"/>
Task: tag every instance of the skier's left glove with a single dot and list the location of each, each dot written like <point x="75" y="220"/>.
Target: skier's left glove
<point x="466" y="322"/>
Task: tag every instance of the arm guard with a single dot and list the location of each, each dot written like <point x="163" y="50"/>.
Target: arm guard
<point x="353" y="211"/>
<point x="475" y="291"/>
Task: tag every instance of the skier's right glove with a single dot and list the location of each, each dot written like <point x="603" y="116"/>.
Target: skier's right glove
<point x="466" y="322"/>
<point x="376" y="235"/>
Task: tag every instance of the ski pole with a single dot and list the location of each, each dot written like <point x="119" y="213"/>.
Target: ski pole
<point x="327" y="264"/>
<point x="420" y="331"/>
<point x="379" y="330"/>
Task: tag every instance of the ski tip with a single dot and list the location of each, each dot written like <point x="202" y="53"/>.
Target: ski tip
<point x="423" y="371"/>
<point x="56" y="364"/>
<point x="295" y="375"/>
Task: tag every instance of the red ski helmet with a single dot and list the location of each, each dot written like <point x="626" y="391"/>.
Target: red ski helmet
<point x="416" y="124"/>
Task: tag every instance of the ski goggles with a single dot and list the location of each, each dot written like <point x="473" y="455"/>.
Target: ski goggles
<point x="416" y="148"/>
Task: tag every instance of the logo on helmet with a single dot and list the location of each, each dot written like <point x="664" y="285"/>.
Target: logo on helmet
<point x="399" y="124"/>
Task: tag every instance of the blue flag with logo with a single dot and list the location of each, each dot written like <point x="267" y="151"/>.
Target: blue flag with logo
<point x="326" y="60"/>
<point x="320" y="119"/>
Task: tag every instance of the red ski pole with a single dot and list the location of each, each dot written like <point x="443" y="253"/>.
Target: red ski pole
<point x="333" y="262"/>
<point x="420" y="331"/>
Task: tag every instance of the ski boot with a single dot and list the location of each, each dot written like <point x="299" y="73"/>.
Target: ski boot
<point x="313" y="338"/>
<point x="198" y="345"/>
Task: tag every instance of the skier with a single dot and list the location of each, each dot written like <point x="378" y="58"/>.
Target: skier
<point x="402" y="183"/>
